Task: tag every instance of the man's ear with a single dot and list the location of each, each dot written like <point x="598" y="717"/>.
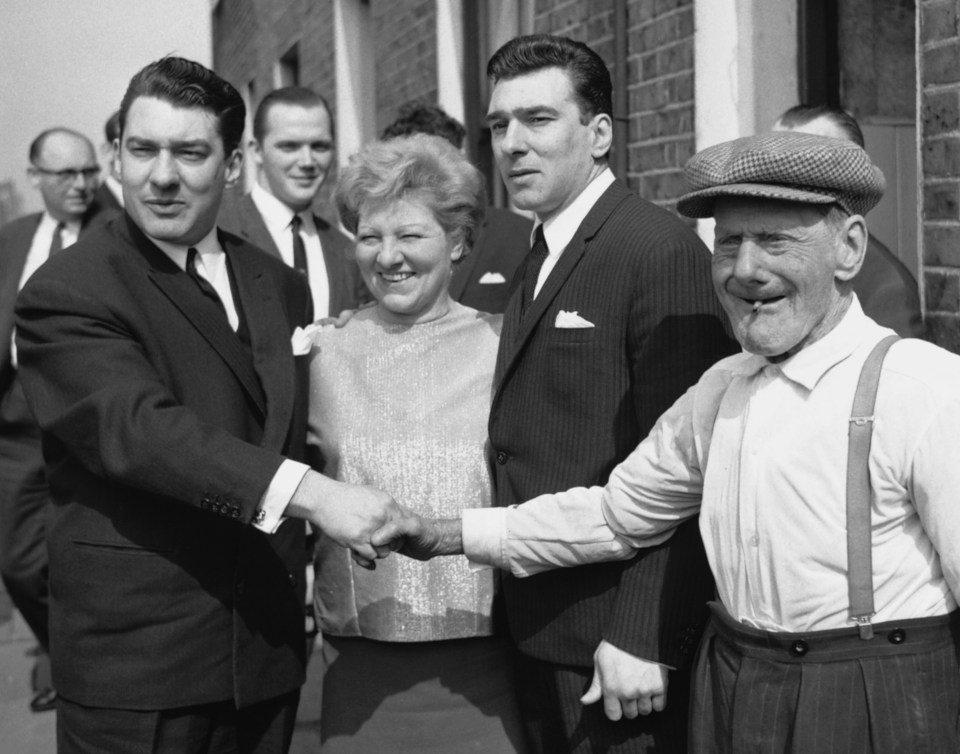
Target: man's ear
<point x="602" y="127"/>
<point x="852" y="248"/>
<point x="34" y="176"/>
<point x="234" y="163"/>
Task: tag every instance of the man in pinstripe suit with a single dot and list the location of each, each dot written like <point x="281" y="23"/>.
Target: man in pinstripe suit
<point x="605" y="329"/>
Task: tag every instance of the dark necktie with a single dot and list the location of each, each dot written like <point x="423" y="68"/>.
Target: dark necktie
<point x="299" y="250"/>
<point x="538" y="255"/>
<point x="202" y="283"/>
<point x="56" y="243"/>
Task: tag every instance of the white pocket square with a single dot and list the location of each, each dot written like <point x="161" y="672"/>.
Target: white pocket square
<point x="492" y="278"/>
<point x="571" y="320"/>
<point x="302" y="339"/>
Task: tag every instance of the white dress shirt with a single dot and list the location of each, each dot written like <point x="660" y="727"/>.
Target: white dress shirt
<point x="559" y="230"/>
<point x="212" y="265"/>
<point x="40" y="246"/>
<point x="277" y="216"/>
<point x="39" y="252"/>
<point x="765" y="445"/>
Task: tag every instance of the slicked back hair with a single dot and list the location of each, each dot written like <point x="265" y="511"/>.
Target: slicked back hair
<point x="36" y="146"/>
<point x="800" y="115"/>
<point x="299" y="96"/>
<point x="184" y="83"/>
<point x="588" y="73"/>
<point x="420" y="118"/>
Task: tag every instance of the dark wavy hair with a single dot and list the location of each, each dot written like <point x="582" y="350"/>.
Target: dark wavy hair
<point x="184" y="83"/>
<point x="588" y="73"/>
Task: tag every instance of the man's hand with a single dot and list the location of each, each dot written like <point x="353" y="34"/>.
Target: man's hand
<point x="347" y="513"/>
<point x="629" y="685"/>
<point x="420" y="538"/>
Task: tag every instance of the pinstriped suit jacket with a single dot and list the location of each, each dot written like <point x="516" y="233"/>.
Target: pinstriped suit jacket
<point x="572" y="403"/>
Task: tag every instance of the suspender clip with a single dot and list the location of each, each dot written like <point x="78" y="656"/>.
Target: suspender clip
<point x="865" y="626"/>
<point x="861" y="420"/>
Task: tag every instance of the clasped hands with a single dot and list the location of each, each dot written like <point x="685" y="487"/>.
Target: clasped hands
<point x="369" y="522"/>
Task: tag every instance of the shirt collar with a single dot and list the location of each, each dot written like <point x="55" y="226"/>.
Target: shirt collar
<point x="208" y="247"/>
<point x="810" y="364"/>
<point x="277" y="215"/>
<point x="560" y="229"/>
<point x="72" y="227"/>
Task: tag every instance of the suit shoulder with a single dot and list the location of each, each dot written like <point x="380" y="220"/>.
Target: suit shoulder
<point x="20" y="225"/>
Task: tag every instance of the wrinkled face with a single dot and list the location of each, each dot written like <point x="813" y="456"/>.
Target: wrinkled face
<point x="406" y="260"/>
<point x="173" y="169"/>
<point x="776" y="266"/>
<point x="66" y="174"/>
<point x="295" y="154"/>
<point x="545" y="152"/>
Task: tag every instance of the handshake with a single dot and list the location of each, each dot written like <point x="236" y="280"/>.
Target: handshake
<point x="370" y="523"/>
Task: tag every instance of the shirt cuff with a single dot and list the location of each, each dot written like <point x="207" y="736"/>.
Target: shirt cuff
<point x="483" y="533"/>
<point x="274" y="502"/>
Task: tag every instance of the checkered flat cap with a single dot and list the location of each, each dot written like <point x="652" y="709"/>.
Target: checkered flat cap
<point x="785" y="165"/>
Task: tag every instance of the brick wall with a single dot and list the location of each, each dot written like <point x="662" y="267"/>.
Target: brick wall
<point x="939" y="65"/>
<point x="659" y="131"/>
<point x="406" y="34"/>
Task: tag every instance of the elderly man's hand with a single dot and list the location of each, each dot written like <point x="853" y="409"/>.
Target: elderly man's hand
<point x="629" y="685"/>
<point x="420" y="538"/>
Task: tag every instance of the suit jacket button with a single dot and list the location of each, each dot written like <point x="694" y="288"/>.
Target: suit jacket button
<point x="291" y="579"/>
<point x="241" y="587"/>
<point x="234" y="512"/>
<point x="501" y="457"/>
<point x="897" y="636"/>
<point x="799" y="648"/>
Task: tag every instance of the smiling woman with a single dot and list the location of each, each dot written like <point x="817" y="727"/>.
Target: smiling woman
<point x="399" y="399"/>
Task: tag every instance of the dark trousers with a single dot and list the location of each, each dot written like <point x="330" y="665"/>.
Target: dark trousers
<point x="556" y="722"/>
<point x="217" y="728"/>
<point x="24" y="504"/>
<point x="828" y="692"/>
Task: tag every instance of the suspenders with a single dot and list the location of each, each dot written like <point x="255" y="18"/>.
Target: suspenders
<point x="859" y="540"/>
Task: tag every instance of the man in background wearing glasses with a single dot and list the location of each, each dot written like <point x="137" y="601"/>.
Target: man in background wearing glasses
<point x="64" y="169"/>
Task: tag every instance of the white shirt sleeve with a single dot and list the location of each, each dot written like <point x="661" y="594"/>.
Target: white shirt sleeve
<point x="648" y="495"/>
<point x="278" y="495"/>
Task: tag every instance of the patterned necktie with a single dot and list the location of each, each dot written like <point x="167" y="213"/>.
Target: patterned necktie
<point x="299" y="250"/>
<point x="56" y="243"/>
<point x="538" y="255"/>
<point x="202" y="283"/>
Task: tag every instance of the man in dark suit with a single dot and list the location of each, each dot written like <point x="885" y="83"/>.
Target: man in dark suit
<point x="63" y="168"/>
<point x="109" y="193"/>
<point x="613" y="316"/>
<point x="481" y="280"/>
<point x="886" y="289"/>
<point x="293" y="151"/>
<point x="157" y="359"/>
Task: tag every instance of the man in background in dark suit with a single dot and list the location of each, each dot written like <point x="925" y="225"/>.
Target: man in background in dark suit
<point x="63" y="168"/>
<point x="482" y="280"/>
<point x="109" y="193"/>
<point x="612" y="318"/>
<point x="885" y="287"/>
<point x="163" y="363"/>
<point x="293" y="151"/>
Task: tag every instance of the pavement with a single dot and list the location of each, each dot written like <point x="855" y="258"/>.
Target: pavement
<point x="26" y="732"/>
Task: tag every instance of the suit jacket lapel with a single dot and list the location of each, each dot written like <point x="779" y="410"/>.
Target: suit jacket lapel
<point x="254" y="229"/>
<point x="272" y="355"/>
<point x="517" y="331"/>
<point x="14" y="259"/>
<point x="202" y="313"/>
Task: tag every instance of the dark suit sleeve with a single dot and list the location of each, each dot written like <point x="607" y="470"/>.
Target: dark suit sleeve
<point x="94" y="390"/>
<point x="676" y="332"/>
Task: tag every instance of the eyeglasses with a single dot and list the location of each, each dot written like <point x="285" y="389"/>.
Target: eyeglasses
<point x="69" y="175"/>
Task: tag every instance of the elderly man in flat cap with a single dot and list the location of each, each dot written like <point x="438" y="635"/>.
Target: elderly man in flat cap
<point x="826" y="477"/>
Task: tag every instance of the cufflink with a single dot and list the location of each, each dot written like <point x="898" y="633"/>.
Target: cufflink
<point x="259" y="516"/>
